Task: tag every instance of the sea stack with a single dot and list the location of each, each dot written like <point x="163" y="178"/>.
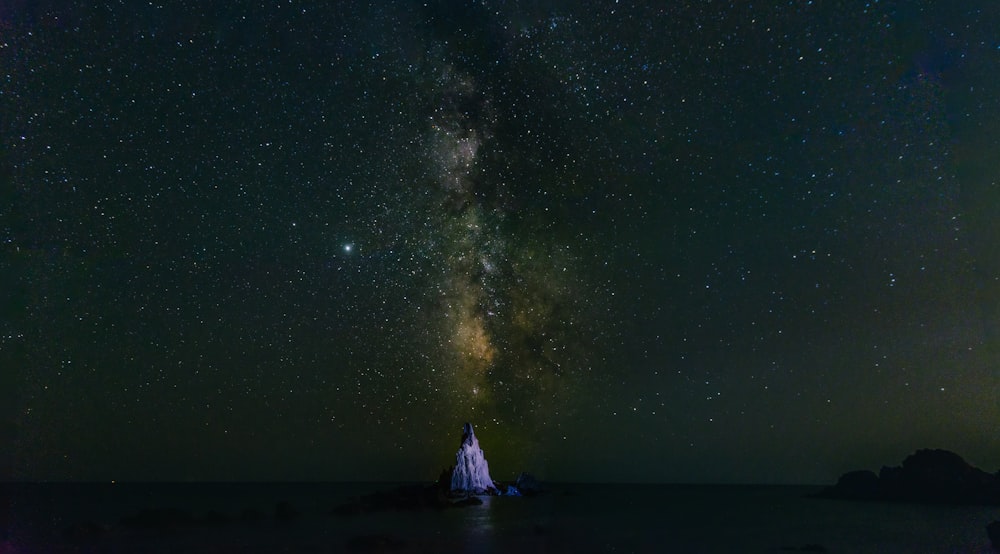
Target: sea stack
<point x="472" y="473"/>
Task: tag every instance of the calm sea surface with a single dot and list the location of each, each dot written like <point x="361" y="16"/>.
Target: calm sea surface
<point x="570" y="518"/>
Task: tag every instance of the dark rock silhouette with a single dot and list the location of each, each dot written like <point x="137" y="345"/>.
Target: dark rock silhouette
<point x="444" y="480"/>
<point x="467" y="501"/>
<point x="993" y="531"/>
<point x="527" y="484"/>
<point x="858" y="485"/>
<point x="930" y="476"/>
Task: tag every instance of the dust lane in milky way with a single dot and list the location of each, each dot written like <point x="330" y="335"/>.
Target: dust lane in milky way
<point x="496" y="301"/>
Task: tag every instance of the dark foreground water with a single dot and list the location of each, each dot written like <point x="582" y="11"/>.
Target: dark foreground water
<point x="54" y="518"/>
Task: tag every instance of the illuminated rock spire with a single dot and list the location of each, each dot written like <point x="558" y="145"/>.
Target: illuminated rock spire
<point x="472" y="473"/>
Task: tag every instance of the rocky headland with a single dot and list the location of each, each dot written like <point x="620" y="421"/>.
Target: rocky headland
<point x="926" y="476"/>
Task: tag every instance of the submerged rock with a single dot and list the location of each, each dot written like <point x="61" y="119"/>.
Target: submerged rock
<point x="472" y="473"/>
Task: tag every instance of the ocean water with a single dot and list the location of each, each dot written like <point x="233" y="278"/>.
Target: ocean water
<point x="61" y="518"/>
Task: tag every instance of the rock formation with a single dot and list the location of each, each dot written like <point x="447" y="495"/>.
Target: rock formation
<point x="858" y="485"/>
<point x="935" y="476"/>
<point x="471" y="474"/>
<point x="993" y="531"/>
<point x="527" y="485"/>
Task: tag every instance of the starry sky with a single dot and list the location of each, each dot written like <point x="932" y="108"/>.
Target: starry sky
<point x="701" y="241"/>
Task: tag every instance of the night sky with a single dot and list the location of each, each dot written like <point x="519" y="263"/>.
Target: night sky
<point x="699" y="241"/>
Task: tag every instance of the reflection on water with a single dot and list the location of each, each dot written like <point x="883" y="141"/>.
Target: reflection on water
<point x="569" y="518"/>
<point x="478" y="526"/>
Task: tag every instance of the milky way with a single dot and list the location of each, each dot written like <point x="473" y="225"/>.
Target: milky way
<point x="309" y="241"/>
<point x="501" y="348"/>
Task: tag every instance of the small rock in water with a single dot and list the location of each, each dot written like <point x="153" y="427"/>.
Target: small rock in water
<point x="993" y="531"/>
<point x="527" y="484"/>
<point x="468" y="501"/>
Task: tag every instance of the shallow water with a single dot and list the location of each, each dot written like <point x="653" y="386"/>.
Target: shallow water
<point x="570" y="518"/>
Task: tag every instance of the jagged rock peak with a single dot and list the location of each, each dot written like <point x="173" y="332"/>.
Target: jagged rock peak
<point x="472" y="472"/>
